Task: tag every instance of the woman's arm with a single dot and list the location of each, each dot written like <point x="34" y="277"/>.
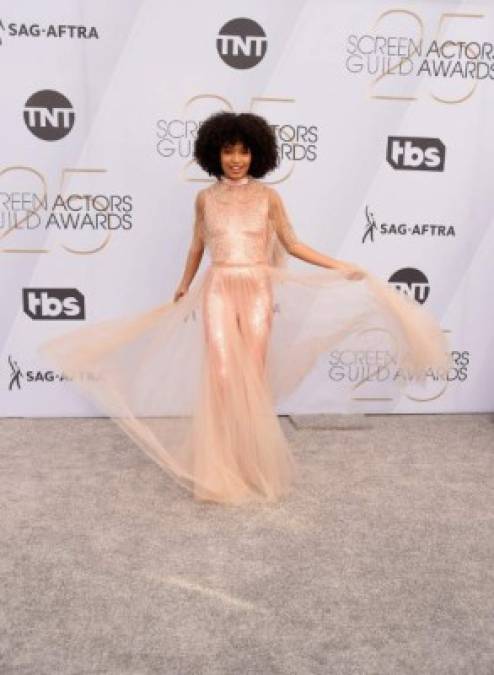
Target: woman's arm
<point x="287" y="236"/>
<point x="196" y="248"/>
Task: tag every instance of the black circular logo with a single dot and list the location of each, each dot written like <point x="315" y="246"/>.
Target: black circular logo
<point x="49" y="115"/>
<point x="411" y="282"/>
<point x="241" y="43"/>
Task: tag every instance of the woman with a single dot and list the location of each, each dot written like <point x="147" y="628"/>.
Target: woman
<point x="229" y="347"/>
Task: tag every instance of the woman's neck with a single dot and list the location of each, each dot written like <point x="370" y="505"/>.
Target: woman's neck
<point x="235" y="181"/>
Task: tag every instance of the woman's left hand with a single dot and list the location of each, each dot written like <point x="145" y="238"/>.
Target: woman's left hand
<point x="352" y="272"/>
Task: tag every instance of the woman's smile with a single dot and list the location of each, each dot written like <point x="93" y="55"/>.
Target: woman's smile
<point x="235" y="160"/>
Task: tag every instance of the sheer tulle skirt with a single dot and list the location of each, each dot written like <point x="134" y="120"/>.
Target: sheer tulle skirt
<point x="196" y="383"/>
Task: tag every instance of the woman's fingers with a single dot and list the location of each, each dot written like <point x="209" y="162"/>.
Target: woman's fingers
<point x="353" y="272"/>
<point x="178" y="294"/>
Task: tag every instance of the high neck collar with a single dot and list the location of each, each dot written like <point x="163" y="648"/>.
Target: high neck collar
<point x="231" y="181"/>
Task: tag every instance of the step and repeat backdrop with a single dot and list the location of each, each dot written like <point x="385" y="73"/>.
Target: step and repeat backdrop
<point x="383" y="114"/>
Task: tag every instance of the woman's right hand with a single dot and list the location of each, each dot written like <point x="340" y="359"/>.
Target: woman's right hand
<point x="181" y="290"/>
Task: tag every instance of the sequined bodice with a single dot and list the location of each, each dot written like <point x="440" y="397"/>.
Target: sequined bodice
<point x="236" y="221"/>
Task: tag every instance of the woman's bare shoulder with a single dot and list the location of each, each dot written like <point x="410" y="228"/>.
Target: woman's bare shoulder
<point x="201" y="194"/>
<point x="208" y="190"/>
<point x="274" y="196"/>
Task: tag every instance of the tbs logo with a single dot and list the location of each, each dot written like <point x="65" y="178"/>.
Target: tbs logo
<point x="53" y="303"/>
<point x="415" y="154"/>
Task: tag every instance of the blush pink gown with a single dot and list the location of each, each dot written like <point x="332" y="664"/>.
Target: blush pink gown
<point x="195" y="383"/>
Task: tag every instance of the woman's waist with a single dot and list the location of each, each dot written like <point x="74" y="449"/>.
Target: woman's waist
<point x="237" y="253"/>
<point x="240" y="263"/>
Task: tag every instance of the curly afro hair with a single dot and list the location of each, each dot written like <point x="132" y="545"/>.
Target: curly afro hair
<point x="223" y="128"/>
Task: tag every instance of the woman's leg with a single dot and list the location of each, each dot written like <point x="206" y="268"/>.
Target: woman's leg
<point x="240" y="450"/>
<point x="219" y="321"/>
<point x="255" y="321"/>
<point x="265" y="457"/>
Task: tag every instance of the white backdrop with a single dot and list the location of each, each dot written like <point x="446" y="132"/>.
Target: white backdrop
<point x="384" y="118"/>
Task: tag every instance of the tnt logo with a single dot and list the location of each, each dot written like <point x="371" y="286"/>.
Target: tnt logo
<point x="241" y="43"/>
<point x="53" y="303"/>
<point x="416" y="154"/>
<point x="411" y="282"/>
<point x="49" y="115"/>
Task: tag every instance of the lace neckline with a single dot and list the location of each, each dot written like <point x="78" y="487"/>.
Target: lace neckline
<point x="239" y="181"/>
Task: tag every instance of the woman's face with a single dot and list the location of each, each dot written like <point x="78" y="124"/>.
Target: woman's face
<point x="235" y="160"/>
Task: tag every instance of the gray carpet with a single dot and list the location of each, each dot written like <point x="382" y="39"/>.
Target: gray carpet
<point x="380" y="562"/>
